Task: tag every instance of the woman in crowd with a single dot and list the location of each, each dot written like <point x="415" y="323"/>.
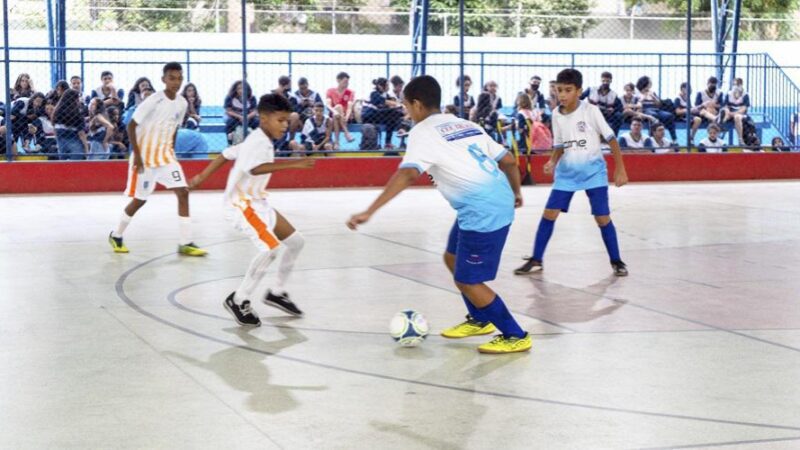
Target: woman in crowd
<point x="464" y="97"/>
<point x="234" y="107"/>
<point x="101" y="130"/>
<point x="70" y="124"/>
<point x="23" y="87"/>
<point x="383" y="109"/>
<point x="194" y="102"/>
<point x="135" y="95"/>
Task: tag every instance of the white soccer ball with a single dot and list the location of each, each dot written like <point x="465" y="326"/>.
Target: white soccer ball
<point x="408" y="328"/>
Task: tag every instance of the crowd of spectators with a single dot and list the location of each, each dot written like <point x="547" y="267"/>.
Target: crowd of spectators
<point x="71" y="124"/>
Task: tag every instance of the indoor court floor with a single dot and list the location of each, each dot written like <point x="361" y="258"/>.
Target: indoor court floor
<point x="698" y="347"/>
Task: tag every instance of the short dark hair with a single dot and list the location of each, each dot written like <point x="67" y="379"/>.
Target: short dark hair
<point x="536" y="77"/>
<point x="424" y="89"/>
<point x="284" y="80"/>
<point x="714" y="127"/>
<point x="466" y="78"/>
<point x="684" y="85"/>
<point x="606" y="75"/>
<point x="713" y="80"/>
<point x="106" y="73"/>
<point x="302" y="80"/>
<point x="570" y="76"/>
<point x="342" y="75"/>
<point x="643" y="82"/>
<point x="396" y="80"/>
<point x="655" y="127"/>
<point x="270" y="103"/>
<point x="172" y="66"/>
<point x="74" y="77"/>
<point x="636" y="119"/>
<point x="319" y="105"/>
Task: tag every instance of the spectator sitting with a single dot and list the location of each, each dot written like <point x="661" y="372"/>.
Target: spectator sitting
<point x="653" y="106"/>
<point x="234" y="107"/>
<point x="193" y="105"/>
<point x="794" y="127"/>
<point x="778" y="145"/>
<point x="397" y="94"/>
<point x="464" y="97"/>
<point x="119" y="138"/>
<point x="34" y="109"/>
<point x="658" y="142"/>
<point x="19" y="117"/>
<point x="487" y="117"/>
<point x="534" y="94"/>
<point x="631" y="108"/>
<point x="552" y="100"/>
<point x="128" y="114"/>
<point x="340" y="102"/>
<point x="736" y="105"/>
<point x="496" y="101"/>
<point x="709" y="102"/>
<point x="3" y="132"/>
<point x="450" y="109"/>
<point x="397" y="88"/>
<point x="43" y="131"/>
<point x="607" y="100"/>
<point x="634" y="139"/>
<point x="55" y="95"/>
<point x="383" y="109"/>
<point x="76" y="84"/>
<point x="684" y="107"/>
<point x="285" y="89"/>
<point x="524" y="120"/>
<point x="306" y="100"/>
<point x="712" y="144"/>
<point x="70" y="124"/>
<point x="101" y="130"/>
<point x="317" y="130"/>
<point x="23" y="87"/>
<point x="106" y="91"/>
<point x="135" y="95"/>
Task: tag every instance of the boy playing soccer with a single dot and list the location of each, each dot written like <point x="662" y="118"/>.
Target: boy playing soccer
<point x="463" y="161"/>
<point x="579" y="166"/>
<point x="247" y="206"/>
<point x="152" y="132"/>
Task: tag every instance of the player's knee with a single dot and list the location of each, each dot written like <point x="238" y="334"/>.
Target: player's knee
<point x="182" y="192"/>
<point x="551" y="214"/>
<point x="602" y="220"/>
<point x="449" y="260"/>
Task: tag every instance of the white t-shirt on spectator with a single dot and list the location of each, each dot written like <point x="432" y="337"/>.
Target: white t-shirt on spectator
<point x="663" y="147"/>
<point x="627" y="141"/>
<point x="712" y="146"/>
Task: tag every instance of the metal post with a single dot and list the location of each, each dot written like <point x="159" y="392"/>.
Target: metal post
<point x="51" y="41"/>
<point x="483" y="81"/>
<point x="245" y="96"/>
<point x="82" y="71"/>
<point x="289" y="56"/>
<point x="689" y="76"/>
<point x="388" y="64"/>
<point x="461" y="58"/>
<point x="735" y="44"/>
<point x="7" y="69"/>
<point x="659" y="75"/>
<point x="188" y="66"/>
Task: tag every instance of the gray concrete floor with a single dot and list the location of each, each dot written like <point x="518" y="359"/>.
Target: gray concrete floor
<point x="699" y="347"/>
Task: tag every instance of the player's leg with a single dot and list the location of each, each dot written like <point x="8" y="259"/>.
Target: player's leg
<point x="292" y="242"/>
<point x="557" y="202"/>
<point x="477" y="260"/>
<point x="139" y="187"/>
<point x="598" y="199"/>
<point x="171" y="177"/>
<point x="476" y="324"/>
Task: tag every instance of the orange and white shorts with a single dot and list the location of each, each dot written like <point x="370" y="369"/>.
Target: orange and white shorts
<point x="257" y="220"/>
<point x="141" y="185"/>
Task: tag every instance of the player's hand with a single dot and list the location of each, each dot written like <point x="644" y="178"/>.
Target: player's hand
<point x="518" y="200"/>
<point x="306" y="163"/>
<point x="138" y="164"/>
<point x="358" y="219"/>
<point x="620" y="177"/>
<point x="548" y="167"/>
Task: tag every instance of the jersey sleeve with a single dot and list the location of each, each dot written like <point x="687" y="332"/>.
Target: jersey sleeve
<point x="231" y="152"/>
<point x="417" y="153"/>
<point x="600" y="124"/>
<point x="493" y="149"/>
<point x="144" y="109"/>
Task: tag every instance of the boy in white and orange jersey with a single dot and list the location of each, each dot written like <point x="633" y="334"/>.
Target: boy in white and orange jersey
<point x="247" y="206"/>
<point x="152" y="133"/>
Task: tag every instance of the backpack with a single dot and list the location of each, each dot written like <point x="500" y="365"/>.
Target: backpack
<point x="541" y="137"/>
<point x="369" y="137"/>
<point x="750" y="133"/>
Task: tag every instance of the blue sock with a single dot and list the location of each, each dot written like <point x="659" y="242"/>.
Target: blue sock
<point x="476" y="313"/>
<point x="543" y="234"/>
<point x="610" y="239"/>
<point x="497" y="313"/>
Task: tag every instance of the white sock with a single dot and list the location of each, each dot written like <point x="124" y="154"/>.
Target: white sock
<point x="293" y="244"/>
<point x="255" y="273"/>
<point x="124" y="221"/>
<point x="185" y="226"/>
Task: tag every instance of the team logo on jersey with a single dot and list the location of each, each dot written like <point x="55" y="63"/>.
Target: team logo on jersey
<point x="582" y="126"/>
<point x="453" y="131"/>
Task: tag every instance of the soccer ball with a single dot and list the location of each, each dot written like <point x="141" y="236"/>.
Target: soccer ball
<point x="408" y="328"/>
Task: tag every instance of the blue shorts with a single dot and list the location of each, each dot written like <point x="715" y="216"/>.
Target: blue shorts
<point x="598" y="199"/>
<point x="477" y="254"/>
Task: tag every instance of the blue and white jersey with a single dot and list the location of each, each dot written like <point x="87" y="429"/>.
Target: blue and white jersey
<point x="578" y="133"/>
<point x="462" y="160"/>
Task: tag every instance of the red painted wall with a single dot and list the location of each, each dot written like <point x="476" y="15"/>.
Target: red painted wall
<point x="110" y="176"/>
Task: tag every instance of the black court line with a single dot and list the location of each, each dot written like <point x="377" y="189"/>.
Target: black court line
<point x="725" y="444"/>
<point x="119" y="287"/>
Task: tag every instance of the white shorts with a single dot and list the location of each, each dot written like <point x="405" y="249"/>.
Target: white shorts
<point x="256" y="220"/>
<point x="141" y="185"/>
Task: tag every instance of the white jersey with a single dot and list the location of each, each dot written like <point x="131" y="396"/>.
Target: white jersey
<point x="712" y="146"/>
<point x="242" y="186"/>
<point x="664" y="147"/>
<point x="158" y="119"/>
<point x="582" y="166"/>
<point x="627" y="141"/>
<point x="462" y="160"/>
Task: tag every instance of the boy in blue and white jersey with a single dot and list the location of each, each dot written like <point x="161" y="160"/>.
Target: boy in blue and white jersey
<point x="579" y="166"/>
<point x="480" y="180"/>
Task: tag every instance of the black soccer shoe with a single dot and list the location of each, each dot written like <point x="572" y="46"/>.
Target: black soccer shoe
<point x="531" y="266"/>
<point x="243" y="314"/>
<point x="620" y="269"/>
<point x="283" y="303"/>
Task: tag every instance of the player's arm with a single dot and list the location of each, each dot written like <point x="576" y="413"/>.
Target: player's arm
<point x="401" y="179"/>
<point x="263" y="169"/>
<point x="137" y="153"/>
<point x="212" y="167"/>
<point x="508" y="164"/>
<point x="620" y="175"/>
<point x="553" y="161"/>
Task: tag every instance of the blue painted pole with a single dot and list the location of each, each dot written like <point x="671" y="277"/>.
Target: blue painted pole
<point x="461" y="58"/>
<point x="689" y="76"/>
<point x="189" y="66"/>
<point x="245" y="96"/>
<point x="7" y="69"/>
<point x="51" y="41"/>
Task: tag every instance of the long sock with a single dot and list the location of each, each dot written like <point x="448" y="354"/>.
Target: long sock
<point x="497" y="313"/>
<point x="185" y="227"/>
<point x="293" y="245"/>
<point x="543" y="234"/>
<point x="609" y="234"/>
<point x="476" y="313"/>
<point x="124" y="221"/>
<point x="255" y="273"/>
